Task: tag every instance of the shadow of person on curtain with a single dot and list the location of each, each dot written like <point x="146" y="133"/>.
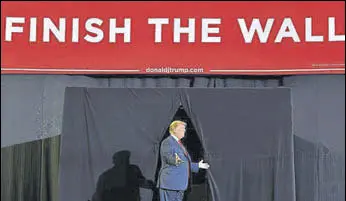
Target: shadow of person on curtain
<point x="122" y="182"/>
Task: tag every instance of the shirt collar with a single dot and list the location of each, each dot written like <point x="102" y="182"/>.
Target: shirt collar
<point x="175" y="138"/>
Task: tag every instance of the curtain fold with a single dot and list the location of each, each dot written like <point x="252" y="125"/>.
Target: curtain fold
<point x="29" y="171"/>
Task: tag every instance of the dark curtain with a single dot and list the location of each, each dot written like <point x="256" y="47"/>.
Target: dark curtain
<point x="318" y="125"/>
<point x="36" y="101"/>
<point x="319" y="136"/>
<point x="29" y="171"/>
<point x="248" y="140"/>
<point x="253" y="144"/>
<point x="99" y="123"/>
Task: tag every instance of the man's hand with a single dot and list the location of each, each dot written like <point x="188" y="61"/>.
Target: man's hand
<point x="203" y="165"/>
<point x="177" y="159"/>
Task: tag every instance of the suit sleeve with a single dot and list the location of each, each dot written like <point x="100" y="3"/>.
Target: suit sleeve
<point x="194" y="167"/>
<point x="167" y="153"/>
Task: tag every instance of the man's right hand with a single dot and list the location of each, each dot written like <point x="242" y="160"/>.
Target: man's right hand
<point x="177" y="159"/>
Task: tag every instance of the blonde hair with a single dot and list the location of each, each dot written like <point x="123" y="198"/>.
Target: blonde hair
<point x="174" y="124"/>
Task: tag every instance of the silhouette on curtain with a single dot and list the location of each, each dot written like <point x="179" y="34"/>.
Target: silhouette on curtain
<point x="122" y="181"/>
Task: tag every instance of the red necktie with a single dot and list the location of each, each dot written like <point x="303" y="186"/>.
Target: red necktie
<point x="186" y="154"/>
<point x="182" y="146"/>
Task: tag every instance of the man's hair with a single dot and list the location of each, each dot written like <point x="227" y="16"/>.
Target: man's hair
<point x="174" y="124"/>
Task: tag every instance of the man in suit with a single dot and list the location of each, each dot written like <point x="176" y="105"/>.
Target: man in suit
<point x="176" y="165"/>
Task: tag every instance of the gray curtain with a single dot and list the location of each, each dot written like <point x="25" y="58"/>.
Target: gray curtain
<point x="31" y="113"/>
<point x="255" y="131"/>
<point x="319" y="136"/>
<point x="36" y="101"/>
<point x="95" y="128"/>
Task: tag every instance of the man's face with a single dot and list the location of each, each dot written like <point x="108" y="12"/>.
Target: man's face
<point x="180" y="131"/>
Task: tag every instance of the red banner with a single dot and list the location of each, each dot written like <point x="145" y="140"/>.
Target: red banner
<point x="173" y="37"/>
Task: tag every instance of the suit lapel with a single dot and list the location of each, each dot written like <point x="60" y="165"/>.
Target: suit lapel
<point x="180" y="147"/>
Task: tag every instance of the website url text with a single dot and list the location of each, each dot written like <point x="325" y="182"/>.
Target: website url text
<point x="174" y="70"/>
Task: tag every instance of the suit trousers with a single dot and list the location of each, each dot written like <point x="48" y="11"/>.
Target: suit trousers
<point x="171" y="195"/>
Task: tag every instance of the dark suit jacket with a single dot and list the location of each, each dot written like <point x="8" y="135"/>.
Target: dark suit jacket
<point x="174" y="176"/>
